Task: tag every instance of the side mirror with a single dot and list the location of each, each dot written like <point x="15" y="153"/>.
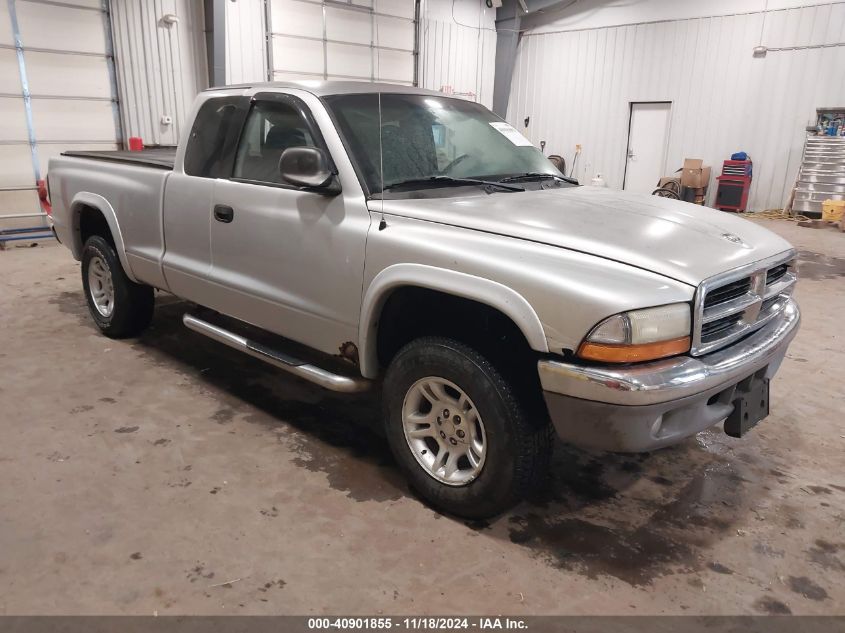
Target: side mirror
<point x="307" y="167"/>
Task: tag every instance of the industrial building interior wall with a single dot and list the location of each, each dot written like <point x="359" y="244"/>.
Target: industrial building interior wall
<point x="160" y="52"/>
<point x="246" y="48"/>
<point x="458" y="48"/>
<point x="56" y="94"/>
<point x="723" y="98"/>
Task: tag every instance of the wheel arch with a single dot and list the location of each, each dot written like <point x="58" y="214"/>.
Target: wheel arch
<point x="487" y="292"/>
<point x="86" y="202"/>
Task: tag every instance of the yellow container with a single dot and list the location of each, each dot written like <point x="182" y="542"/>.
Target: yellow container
<point x="833" y="210"/>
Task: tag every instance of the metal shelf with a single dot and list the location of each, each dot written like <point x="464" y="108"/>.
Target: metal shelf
<point x="822" y="174"/>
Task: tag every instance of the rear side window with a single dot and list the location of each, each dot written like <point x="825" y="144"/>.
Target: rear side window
<point x="213" y="137"/>
<point x="271" y="128"/>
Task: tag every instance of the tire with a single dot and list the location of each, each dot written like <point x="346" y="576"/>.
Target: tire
<point x="516" y="449"/>
<point x="665" y="192"/>
<point x="130" y="308"/>
<point x="673" y="185"/>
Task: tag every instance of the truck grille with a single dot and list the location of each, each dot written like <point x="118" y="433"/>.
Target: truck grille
<point x="731" y="306"/>
<point x="728" y="292"/>
<point x="773" y="274"/>
<point x="713" y="329"/>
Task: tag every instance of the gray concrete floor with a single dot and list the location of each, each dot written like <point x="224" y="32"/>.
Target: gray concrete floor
<point x="141" y="476"/>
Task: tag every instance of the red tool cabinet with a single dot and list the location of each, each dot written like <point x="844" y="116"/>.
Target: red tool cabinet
<point x="734" y="185"/>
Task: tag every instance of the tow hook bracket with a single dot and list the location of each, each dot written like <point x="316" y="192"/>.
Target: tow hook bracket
<point x="750" y="406"/>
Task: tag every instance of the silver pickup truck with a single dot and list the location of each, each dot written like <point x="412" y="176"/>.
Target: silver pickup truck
<point x="365" y="236"/>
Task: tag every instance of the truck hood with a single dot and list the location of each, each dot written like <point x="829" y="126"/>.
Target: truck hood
<point x="676" y="239"/>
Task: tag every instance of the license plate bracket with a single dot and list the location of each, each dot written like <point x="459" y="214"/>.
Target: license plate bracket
<point x="751" y="404"/>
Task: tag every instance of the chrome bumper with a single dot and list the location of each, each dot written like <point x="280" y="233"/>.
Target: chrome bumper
<point x="646" y="406"/>
<point x="673" y="378"/>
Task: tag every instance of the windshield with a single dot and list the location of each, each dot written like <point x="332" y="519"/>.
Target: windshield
<point x="425" y="137"/>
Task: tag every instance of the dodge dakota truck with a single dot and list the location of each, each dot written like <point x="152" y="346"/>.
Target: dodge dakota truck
<point x="370" y="236"/>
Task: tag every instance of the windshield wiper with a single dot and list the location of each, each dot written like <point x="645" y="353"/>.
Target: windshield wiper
<point x="531" y="175"/>
<point x="436" y="181"/>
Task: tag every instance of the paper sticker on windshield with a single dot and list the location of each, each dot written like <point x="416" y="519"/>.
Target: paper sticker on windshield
<point x="510" y="133"/>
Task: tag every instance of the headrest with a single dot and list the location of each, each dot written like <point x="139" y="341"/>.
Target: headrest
<point x="283" y="137"/>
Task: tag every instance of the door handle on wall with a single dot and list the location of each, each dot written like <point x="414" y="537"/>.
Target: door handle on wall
<point x="223" y="213"/>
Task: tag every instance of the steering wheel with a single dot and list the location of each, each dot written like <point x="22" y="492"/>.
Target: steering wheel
<point x="454" y="164"/>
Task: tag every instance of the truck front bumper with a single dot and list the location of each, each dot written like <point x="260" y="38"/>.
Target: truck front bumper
<point x="643" y="407"/>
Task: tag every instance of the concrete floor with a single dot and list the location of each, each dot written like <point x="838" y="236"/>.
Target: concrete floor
<point x="168" y="474"/>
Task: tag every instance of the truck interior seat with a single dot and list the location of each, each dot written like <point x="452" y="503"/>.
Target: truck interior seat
<point x="265" y="167"/>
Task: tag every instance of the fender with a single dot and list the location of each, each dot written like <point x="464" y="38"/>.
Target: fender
<point x="84" y="198"/>
<point x="492" y="293"/>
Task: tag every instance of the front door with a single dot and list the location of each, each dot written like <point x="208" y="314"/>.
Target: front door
<point x="287" y="260"/>
<point x="648" y="139"/>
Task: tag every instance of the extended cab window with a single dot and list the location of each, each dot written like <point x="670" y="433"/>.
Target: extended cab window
<point x="271" y="128"/>
<point x="212" y="136"/>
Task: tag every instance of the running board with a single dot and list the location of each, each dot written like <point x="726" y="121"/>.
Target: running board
<point x="311" y="373"/>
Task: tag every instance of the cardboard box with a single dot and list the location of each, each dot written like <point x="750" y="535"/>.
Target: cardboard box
<point x="667" y="179"/>
<point x="695" y="175"/>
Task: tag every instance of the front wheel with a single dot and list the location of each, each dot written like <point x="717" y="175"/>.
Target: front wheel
<point x="118" y="305"/>
<point x="459" y="431"/>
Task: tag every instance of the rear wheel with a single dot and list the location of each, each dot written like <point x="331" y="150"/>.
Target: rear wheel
<point x="459" y="431"/>
<point x="119" y="306"/>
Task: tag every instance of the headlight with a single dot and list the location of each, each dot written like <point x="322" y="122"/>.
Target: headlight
<point x="639" y="335"/>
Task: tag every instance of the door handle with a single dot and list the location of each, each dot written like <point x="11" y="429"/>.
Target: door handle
<point x="223" y="213"/>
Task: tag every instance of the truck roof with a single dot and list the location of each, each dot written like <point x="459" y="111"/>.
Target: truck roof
<point x="321" y="88"/>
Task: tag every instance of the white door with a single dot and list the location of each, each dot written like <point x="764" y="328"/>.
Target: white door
<point x="648" y="138"/>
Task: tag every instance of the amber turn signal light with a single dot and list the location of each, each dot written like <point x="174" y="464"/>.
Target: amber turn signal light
<point x="633" y="353"/>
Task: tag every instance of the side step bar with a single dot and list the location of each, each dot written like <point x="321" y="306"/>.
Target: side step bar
<point x="311" y="373"/>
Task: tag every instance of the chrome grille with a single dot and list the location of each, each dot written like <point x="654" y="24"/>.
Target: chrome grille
<point x="732" y="305"/>
<point x="727" y="292"/>
<point x="714" y="329"/>
<point x="768" y="303"/>
<point x="774" y="274"/>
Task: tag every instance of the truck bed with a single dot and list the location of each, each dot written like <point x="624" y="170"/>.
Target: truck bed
<point x="159" y="157"/>
<point x="130" y="187"/>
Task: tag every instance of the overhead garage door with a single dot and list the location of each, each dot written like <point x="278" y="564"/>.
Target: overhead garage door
<point x="372" y="40"/>
<point x="57" y="94"/>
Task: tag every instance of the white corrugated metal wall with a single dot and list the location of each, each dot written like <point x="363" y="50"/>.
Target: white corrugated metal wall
<point x="458" y="49"/>
<point x="62" y="53"/>
<point x="161" y="65"/>
<point x="577" y="85"/>
<point x="246" y="49"/>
